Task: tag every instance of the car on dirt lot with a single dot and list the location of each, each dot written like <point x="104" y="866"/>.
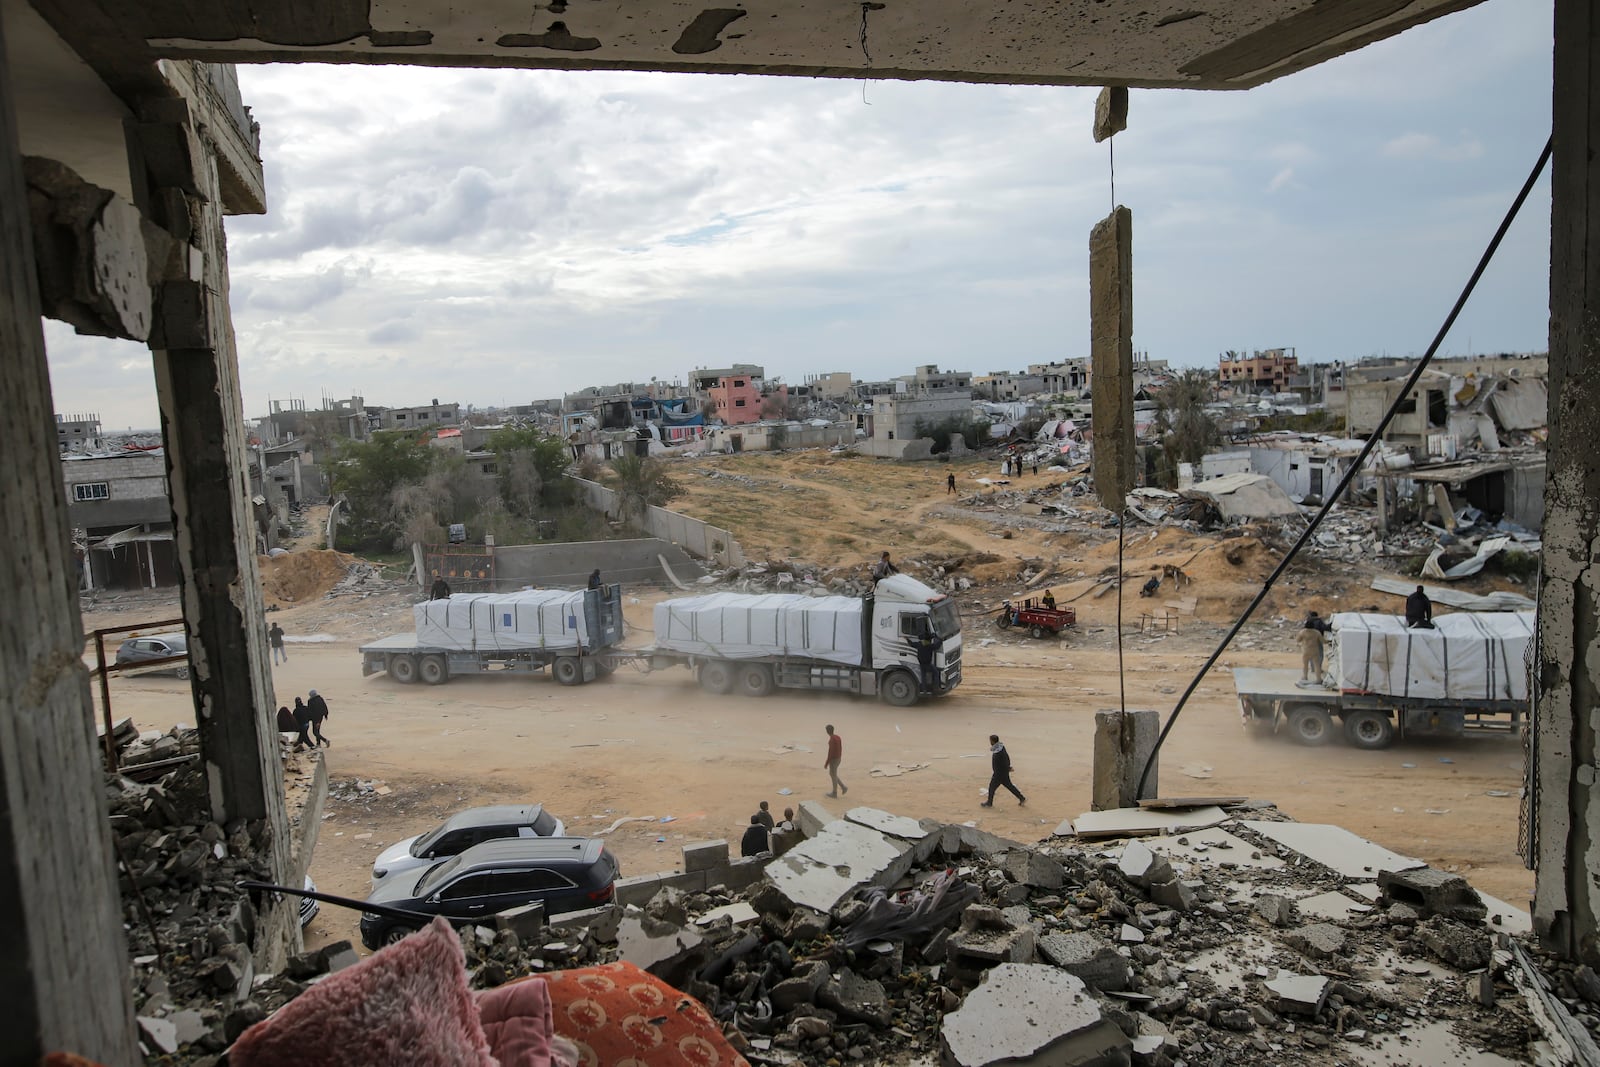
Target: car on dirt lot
<point x="460" y="832"/>
<point x="157" y="646"/>
<point x="562" y="873"/>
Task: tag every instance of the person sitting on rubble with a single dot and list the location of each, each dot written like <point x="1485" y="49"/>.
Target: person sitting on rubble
<point x="754" y="842"/>
<point x="788" y="819"/>
<point x="1049" y="599"/>
<point x="1419" y="610"/>
<point x="1151" y="586"/>
<point x="764" y="816"/>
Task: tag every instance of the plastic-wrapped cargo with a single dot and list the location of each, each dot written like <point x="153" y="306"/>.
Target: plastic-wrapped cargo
<point x="1466" y="656"/>
<point x="740" y="626"/>
<point x="532" y="618"/>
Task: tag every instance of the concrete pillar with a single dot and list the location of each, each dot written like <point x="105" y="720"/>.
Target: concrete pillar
<point x="202" y="428"/>
<point x="1122" y="743"/>
<point x="63" y="960"/>
<point x="1111" y="354"/>
<point x="1566" y="800"/>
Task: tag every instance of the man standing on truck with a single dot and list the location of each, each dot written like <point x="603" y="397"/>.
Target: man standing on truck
<point x="883" y="568"/>
<point x="835" y="755"/>
<point x="1419" y="610"/>
<point x="1000" y="764"/>
<point x="1310" y="651"/>
<point x="927" y="645"/>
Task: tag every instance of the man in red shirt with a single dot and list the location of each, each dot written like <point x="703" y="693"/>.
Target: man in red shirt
<point x="835" y="754"/>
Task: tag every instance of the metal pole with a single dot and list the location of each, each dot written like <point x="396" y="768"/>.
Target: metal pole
<point x="105" y="701"/>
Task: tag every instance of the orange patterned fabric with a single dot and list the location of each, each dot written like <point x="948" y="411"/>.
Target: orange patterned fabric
<point x="621" y="1016"/>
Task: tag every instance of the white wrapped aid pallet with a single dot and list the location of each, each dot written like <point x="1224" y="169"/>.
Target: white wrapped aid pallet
<point x="1467" y="656"/>
<point x="532" y="618"/>
<point x="738" y="626"/>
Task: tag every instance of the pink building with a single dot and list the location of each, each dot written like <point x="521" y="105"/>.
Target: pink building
<point x="739" y="399"/>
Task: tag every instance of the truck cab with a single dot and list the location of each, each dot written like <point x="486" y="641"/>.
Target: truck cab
<point x="906" y="613"/>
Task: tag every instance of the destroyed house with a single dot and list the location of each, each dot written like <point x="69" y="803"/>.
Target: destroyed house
<point x="123" y="124"/>
<point x="120" y="503"/>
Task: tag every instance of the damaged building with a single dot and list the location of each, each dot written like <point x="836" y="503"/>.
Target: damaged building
<point x="124" y="143"/>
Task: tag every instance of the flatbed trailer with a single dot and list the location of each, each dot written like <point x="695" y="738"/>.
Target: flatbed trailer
<point x="1272" y="697"/>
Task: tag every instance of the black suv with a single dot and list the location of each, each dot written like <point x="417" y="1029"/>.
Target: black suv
<point x="562" y="873"/>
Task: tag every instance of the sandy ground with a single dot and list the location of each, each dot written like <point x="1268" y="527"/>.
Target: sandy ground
<point x="656" y="746"/>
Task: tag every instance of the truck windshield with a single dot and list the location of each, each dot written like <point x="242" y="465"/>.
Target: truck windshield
<point x="946" y="619"/>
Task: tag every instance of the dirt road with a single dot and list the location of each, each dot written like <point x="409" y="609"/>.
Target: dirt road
<point x="658" y="747"/>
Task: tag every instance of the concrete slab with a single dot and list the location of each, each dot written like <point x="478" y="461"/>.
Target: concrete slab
<point x="739" y="912"/>
<point x="1334" y="906"/>
<point x="652" y="945"/>
<point x="1429" y="1043"/>
<point x="1132" y="822"/>
<point x="1214" y="847"/>
<point x="820" y="872"/>
<point x="882" y="821"/>
<point x="1335" y="848"/>
<point x="1302" y="994"/>
<point x="1029" y="1012"/>
<point x="1505" y="917"/>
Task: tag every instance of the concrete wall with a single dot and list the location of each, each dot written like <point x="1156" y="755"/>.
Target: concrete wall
<point x="894" y="418"/>
<point x="137" y="484"/>
<point x="569" y="563"/>
<point x="758" y="438"/>
<point x="909" y="449"/>
<point x="699" y="539"/>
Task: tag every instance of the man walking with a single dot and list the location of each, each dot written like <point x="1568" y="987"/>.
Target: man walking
<point x="835" y="754"/>
<point x="1000" y="762"/>
<point x="302" y="723"/>
<point x="275" y="639"/>
<point x="319" y="711"/>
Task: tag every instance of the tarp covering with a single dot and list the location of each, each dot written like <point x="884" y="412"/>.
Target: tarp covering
<point x="1244" y="496"/>
<point x="741" y="626"/>
<point x="533" y="618"/>
<point x="1521" y="404"/>
<point x="1467" y="656"/>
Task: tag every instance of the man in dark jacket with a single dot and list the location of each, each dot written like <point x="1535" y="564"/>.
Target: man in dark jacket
<point x="764" y="816"/>
<point x="1000" y="761"/>
<point x="754" y="842"/>
<point x="1419" y="610"/>
<point x="441" y="588"/>
<point x="319" y="711"/>
<point x="302" y="722"/>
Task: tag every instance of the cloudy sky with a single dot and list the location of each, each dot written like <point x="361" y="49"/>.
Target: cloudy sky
<point x="495" y="237"/>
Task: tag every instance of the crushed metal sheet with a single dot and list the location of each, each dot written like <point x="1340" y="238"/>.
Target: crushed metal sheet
<point x="1335" y="848"/>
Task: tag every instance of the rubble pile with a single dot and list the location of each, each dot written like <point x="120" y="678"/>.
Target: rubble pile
<point x="363" y="580"/>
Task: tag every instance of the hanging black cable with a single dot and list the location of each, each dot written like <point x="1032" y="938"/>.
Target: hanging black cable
<point x="1354" y="468"/>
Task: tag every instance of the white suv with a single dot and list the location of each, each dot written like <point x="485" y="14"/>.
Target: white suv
<point x="463" y="830"/>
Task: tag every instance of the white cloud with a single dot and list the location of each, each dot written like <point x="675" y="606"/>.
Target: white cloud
<point x="1427" y="146"/>
<point x="1281" y="180"/>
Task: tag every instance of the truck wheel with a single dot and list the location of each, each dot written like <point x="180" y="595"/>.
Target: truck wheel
<point x="1036" y="631"/>
<point x="1310" y="725"/>
<point x="900" y="689"/>
<point x="716" y="677"/>
<point x="1368" y="729"/>
<point x="567" y="670"/>
<point x="755" y="680"/>
<point x="432" y="669"/>
<point x="403" y="669"/>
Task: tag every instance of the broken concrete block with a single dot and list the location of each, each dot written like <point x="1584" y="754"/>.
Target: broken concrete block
<point x="885" y="823"/>
<point x="1092" y="959"/>
<point x="160" y="1035"/>
<point x="338" y="956"/>
<point x="526" y="922"/>
<point x="801" y="986"/>
<point x="190" y="1026"/>
<point x="601" y="922"/>
<point x="1463" y="945"/>
<point x="1111" y="360"/>
<point x="806" y="925"/>
<point x="1022" y="1011"/>
<point x="1141" y="867"/>
<point x="661" y="948"/>
<point x="1173" y="894"/>
<point x="705" y="856"/>
<point x="859" y="998"/>
<point x="811" y="817"/>
<point x="1298" y="994"/>
<point x="668" y="905"/>
<point x="1432" y="892"/>
<point x="987" y="938"/>
<point x="1320" y="941"/>
<point x="768" y="899"/>
<point x="1110" y="112"/>
<point x="1029" y="868"/>
<point x="840" y="859"/>
<point x="1276" y="909"/>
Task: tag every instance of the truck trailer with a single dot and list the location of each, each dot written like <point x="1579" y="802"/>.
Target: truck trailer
<point x="751" y="645"/>
<point x="473" y="633"/>
<point x="1384" y="681"/>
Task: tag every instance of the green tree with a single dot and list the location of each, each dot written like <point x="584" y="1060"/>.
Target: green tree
<point x="533" y="471"/>
<point x="642" y="482"/>
<point x="1194" y="432"/>
<point x="368" y="473"/>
